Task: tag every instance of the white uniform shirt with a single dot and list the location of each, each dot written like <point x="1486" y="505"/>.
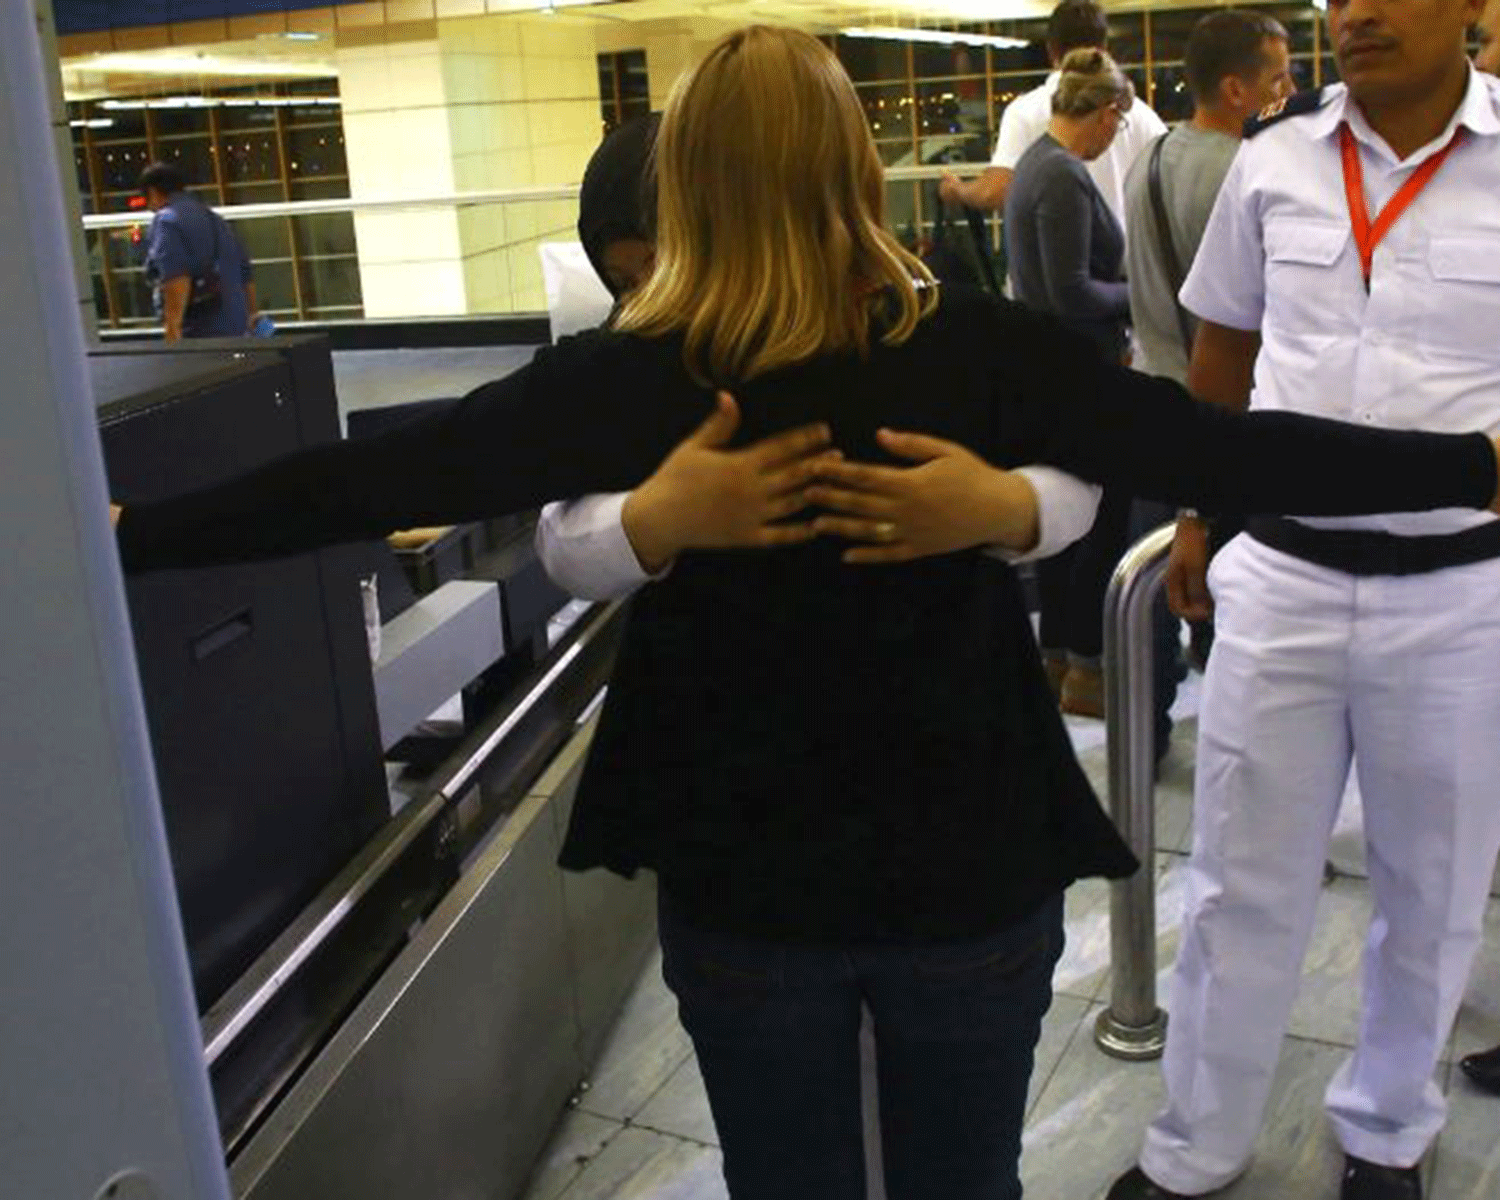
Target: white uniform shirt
<point x="1026" y="118"/>
<point x="583" y="547"/>
<point x="1421" y="349"/>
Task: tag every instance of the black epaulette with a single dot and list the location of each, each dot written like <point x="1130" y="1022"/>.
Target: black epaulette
<point x="1294" y="105"/>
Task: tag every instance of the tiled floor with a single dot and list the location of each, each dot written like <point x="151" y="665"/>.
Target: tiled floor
<point x="643" y="1131"/>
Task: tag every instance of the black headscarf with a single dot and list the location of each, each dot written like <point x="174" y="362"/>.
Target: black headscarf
<point x="618" y="197"/>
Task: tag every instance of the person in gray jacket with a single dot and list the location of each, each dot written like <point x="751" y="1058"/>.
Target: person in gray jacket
<point x="1066" y="252"/>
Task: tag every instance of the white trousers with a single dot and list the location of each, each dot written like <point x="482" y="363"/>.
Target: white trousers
<point x="1307" y="665"/>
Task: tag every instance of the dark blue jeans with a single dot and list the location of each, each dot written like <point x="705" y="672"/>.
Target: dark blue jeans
<point x="776" y="1028"/>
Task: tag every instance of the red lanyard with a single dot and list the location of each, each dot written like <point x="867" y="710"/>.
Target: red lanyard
<point x="1367" y="237"/>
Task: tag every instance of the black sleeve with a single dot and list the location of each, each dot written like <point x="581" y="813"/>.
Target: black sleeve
<point x="566" y="424"/>
<point x="1060" y="403"/>
<point x="1064" y="225"/>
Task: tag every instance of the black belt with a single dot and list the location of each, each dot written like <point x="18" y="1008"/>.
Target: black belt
<point x="1373" y="551"/>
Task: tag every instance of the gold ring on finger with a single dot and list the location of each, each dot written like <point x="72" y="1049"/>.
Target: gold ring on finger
<point x="885" y="531"/>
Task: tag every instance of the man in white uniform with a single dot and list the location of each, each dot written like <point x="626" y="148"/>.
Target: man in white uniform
<point x="1351" y="268"/>
<point x="1484" y="1068"/>
<point x="1074" y="23"/>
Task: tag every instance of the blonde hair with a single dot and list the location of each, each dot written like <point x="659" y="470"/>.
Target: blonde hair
<point x="1090" y="80"/>
<point x="770" y="238"/>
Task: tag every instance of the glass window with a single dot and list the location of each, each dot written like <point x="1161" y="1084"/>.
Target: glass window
<point x="334" y="187"/>
<point x="1030" y="57"/>
<point x="276" y="287"/>
<point x="954" y="120"/>
<point x="1170" y="96"/>
<point x="81" y="168"/>
<point x="242" y="115"/>
<point x="126" y="249"/>
<point x="1127" y="37"/>
<point x="132" y="298"/>
<point x="254" y="193"/>
<point x="634" y="82"/>
<point x="1169" y="32"/>
<point x="895" y="153"/>
<point x="264" y="237"/>
<point x="888" y="109"/>
<point x="1300" y="21"/>
<point x="312" y="114"/>
<point x="193" y="156"/>
<point x="125" y="124"/>
<point x="330" y="283"/>
<point x="901" y="211"/>
<point x="118" y="168"/>
<point x="932" y="60"/>
<point x="176" y="122"/>
<point x="872" y="59"/>
<point x="320" y="235"/>
<point x="1031" y="29"/>
<point x="624" y="88"/>
<point x="315" y="151"/>
<point x="1009" y="88"/>
<point x="251" y="156"/>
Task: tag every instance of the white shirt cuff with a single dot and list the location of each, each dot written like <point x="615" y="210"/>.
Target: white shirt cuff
<point x="1065" y="509"/>
<point x="583" y="547"/>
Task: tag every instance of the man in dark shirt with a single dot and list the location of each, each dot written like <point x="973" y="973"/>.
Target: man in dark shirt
<point x="200" y="275"/>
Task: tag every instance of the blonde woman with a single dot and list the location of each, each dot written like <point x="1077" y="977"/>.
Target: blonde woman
<point x="849" y="779"/>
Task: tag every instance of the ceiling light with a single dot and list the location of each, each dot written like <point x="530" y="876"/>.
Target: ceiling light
<point x="222" y="102"/>
<point x="940" y="36"/>
<point x="179" y="63"/>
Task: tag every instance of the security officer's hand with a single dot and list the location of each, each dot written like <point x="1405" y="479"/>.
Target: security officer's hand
<point x="1187" y="571"/>
<point x="707" y="496"/>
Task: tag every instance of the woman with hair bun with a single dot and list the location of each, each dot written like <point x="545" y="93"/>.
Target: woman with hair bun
<point x="1067" y="253"/>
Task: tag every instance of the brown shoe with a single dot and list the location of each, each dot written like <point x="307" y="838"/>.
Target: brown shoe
<point x="1083" y="691"/>
<point x="1055" y="663"/>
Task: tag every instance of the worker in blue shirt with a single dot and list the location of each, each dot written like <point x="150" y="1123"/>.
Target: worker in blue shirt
<point x="199" y="274"/>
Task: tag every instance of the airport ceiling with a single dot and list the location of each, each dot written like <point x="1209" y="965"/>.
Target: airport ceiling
<point x="208" y="43"/>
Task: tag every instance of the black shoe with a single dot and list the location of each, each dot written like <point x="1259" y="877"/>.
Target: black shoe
<point x="1135" y="1184"/>
<point x="1371" y="1181"/>
<point x="1484" y="1069"/>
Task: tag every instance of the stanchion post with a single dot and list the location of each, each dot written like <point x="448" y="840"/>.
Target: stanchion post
<point x="1133" y="1026"/>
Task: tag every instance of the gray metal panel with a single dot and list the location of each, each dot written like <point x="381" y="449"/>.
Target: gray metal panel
<point x="102" y="1070"/>
<point x="449" y="1076"/>
<point x="611" y="921"/>
<point x="434" y="649"/>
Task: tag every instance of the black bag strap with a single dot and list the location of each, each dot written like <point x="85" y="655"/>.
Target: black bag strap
<point x="982" y="247"/>
<point x="1173" y="264"/>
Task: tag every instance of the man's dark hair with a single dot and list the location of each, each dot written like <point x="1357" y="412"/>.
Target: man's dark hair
<point x="1076" y="24"/>
<point x="164" y="177"/>
<point x="1231" y="42"/>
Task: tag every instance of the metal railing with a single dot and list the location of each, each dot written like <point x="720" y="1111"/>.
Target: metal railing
<point x="1133" y="1026"/>
<point x="515" y="195"/>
